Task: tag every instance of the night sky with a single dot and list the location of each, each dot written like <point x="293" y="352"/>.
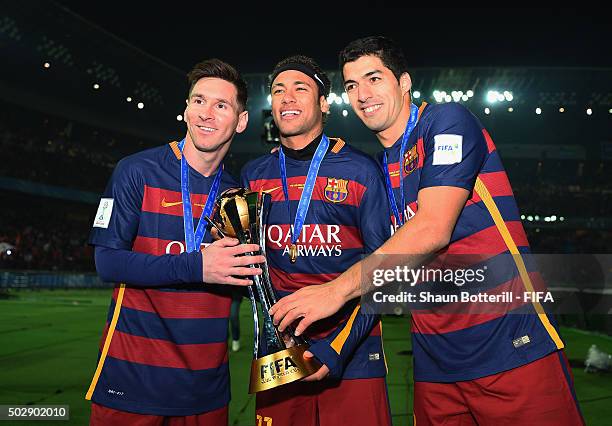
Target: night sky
<point x="182" y="36"/>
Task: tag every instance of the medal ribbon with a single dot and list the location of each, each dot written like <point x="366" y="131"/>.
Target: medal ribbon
<point x="193" y="241"/>
<point x="399" y="217"/>
<point x="306" y="196"/>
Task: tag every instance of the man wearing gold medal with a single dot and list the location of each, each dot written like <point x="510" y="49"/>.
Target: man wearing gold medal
<point x="324" y="216"/>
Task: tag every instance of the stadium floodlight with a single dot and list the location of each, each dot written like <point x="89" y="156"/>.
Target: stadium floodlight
<point x="508" y="96"/>
<point x="538" y="111"/>
<point x="491" y="96"/>
<point x="561" y="218"/>
<point x="338" y="100"/>
<point x="416" y="94"/>
<point x="500" y="97"/>
<point x="589" y="111"/>
<point x="96" y="86"/>
<point x="530" y="218"/>
<point x="179" y="117"/>
<point x="546" y="219"/>
<point x="553" y="218"/>
<point x="331" y="98"/>
<point x="487" y="111"/>
<point x="510" y="109"/>
<point x="536" y="217"/>
<point x="522" y="217"/>
<point x="344" y="113"/>
<point x="470" y="93"/>
<point x="610" y="110"/>
<point x="448" y="98"/>
<point x="561" y="110"/>
<point x="464" y="98"/>
<point x="129" y="99"/>
<point x="46" y="65"/>
<point x="345" y="98"/>
<point x="140" y="105"/>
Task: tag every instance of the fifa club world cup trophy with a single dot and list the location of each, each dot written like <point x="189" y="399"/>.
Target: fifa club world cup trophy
<point x="278" y="359"/>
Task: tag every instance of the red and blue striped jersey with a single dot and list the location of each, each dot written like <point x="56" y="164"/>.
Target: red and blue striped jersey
<point x="164" y="348"/>
<point x="345" y="220"/>
<point x="450" y="147"/>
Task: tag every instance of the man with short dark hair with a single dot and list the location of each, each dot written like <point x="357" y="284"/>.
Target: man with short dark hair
<point x="324" y="216"/>
<point x="449" y="195"/>
<point x="163" y="356"/>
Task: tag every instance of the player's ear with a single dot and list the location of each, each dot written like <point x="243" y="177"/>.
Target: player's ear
<point x="243" y="120"/>
<point x="323" y="104"/>
<point x="405" y="83"/>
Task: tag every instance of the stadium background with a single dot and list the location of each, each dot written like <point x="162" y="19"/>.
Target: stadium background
<point x="81" y="88"/>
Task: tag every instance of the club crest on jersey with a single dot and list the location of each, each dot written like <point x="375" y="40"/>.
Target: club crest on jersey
<point x="411" y="160"/>
<point x="336" y="190"/>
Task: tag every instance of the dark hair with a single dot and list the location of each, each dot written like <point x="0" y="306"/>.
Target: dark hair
<point x="384" y="48"/>
<point x="306" y="65"/>
<point x="216" y="68"/>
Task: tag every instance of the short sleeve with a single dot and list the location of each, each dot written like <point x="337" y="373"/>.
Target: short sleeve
<point x="118" y="215"/>
<point x="455" y="148"/>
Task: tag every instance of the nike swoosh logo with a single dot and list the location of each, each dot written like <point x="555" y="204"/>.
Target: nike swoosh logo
<point x="293" y="185"/>
<point x="164" y="203"/>
<point x="267" y="191"/>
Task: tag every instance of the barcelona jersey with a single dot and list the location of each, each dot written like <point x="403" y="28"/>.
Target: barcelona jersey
<point x="345" y="221"/>
<point x="164" y="348"/>
<point x="449" y="147"/>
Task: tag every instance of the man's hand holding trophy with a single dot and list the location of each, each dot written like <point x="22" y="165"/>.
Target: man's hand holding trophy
<point x="278" y="359"/>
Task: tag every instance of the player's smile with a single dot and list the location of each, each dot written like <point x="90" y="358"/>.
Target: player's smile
<point x="206" y="130"/>
<point x="370" y="110"/>
<point x="290" y="114"/>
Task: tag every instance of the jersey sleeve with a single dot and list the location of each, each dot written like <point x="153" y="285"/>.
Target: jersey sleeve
<point x="116" y="222"/>
<point x="147" y="270"/>
<point x="335" y="350"/>
<point x="455" y="148"/>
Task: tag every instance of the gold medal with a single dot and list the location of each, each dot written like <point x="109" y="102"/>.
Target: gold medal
<point x="293" y="253"/>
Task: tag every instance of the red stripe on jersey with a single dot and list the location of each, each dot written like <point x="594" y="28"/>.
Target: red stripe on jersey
<point x="497" y="183"/>
<point x="490" y="144"/>
<point x="394" y="174"/>
<point x="164" y="201"/>
<point x="314" y="235"/>
<point x="489" y="241"/>
<point x="455" y="316"/>
<point x="421" y="152"/>
<point x="295" y="185"/>
<point x="158" y="247"/>
<point x="103" y="339"/>
<point x="162" y="353"/>
<point x="291" y="282"/>
<point x="190" y="305"/>
<point x="376" y="330"/>
<point x="155" y="246"/>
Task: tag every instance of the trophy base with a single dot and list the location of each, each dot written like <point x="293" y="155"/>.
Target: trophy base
<point x="280" y="368"/>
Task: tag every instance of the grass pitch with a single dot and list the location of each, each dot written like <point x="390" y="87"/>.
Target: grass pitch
<point x="49" y="345"/>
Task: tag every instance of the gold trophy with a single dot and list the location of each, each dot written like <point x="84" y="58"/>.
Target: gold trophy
<point x="243" y="214"/>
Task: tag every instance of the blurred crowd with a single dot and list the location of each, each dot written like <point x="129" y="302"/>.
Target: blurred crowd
<point x="44" y="234"/>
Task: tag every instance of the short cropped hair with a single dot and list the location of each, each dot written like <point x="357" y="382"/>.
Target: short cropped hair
<point x="216" y="68"/>
<point x="389" y="52"/>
